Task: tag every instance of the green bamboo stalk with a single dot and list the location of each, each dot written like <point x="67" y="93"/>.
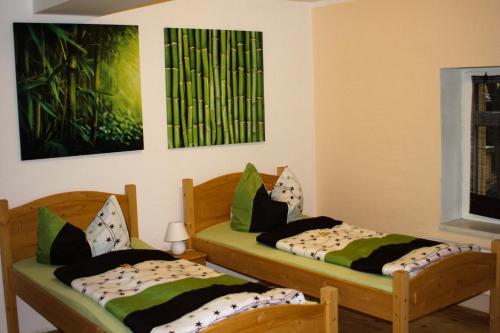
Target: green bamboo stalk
<point x="212" y="88"/>
<point x="199" y="88"/>
<point x="38" y="117"/>
<point x="63" y="121"/>
<point x="217" y="83"/>
<point x="241" y="84"/>
<point x="73" y="68"/>
<point x="182" y="90"/>
<point x="253" y="101"/>
<point x="189" y="88"/>
<point x="206" y="86"/>
<point x="229" y="89"/>
<point x="234" y="71"/>
<point x="248" y="86"/>
<point x="192" y="61"/>
<point x="97" y="87"/>
<point x="260" y="89"/>
<point x="168" y="86"/>
<point x="30" y="111"/>
<point x="175" y="87"/>
<point x="225" y="125"/>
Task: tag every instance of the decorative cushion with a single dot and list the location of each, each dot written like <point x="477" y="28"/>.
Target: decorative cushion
<point x="253" y="210"/>
<point x="59" y="242"/>
<point x="108" y="231"/>
<point x="287" y="189"/>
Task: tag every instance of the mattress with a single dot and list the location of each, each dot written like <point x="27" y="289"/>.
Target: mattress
<point x="43" y="276"/>
<point x="222" y="234"/>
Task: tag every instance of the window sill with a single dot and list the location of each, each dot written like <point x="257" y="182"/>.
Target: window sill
<point x="471" y="227"/>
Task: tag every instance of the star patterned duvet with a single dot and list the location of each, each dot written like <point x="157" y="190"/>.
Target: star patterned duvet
<point x="332" y="241"/>
<point x="150" y="291"/>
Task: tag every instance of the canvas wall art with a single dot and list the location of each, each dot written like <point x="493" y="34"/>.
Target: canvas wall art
<point x="214" y="87"/>
<point x="78" y="89"/>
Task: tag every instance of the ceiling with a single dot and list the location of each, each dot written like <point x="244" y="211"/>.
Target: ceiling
<point x="104" y="7"/>
<point x="88" y="7"/>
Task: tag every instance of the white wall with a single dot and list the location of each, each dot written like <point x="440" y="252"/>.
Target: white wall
<point x="158" y="171"/>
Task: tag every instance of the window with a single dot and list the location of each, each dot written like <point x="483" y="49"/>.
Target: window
<point x="470" y="149"/>
<point x="485" y="147"/>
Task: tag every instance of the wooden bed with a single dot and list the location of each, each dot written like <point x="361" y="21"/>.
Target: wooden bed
<point x="18" y="240"/>
<point x="448" y="281"/>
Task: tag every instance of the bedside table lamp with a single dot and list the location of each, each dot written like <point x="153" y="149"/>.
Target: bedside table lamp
<point x="177" y="234"/>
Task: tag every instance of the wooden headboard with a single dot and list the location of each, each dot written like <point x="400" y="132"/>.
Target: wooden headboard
<point x="18" y="226"/>
<point x="209" y="203"/>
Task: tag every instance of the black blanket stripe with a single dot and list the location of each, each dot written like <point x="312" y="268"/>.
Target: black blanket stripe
<point x="144" y="321"/>
<point x="388" y="253"/>
<point x="106" y="262"/>
<point x="296" y="227"/>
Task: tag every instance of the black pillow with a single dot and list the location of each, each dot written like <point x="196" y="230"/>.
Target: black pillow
<point x="267" y="214"/>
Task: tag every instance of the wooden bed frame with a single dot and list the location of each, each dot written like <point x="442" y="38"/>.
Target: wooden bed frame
<point x="18" y="240"/>
<point x="448" y="281"/>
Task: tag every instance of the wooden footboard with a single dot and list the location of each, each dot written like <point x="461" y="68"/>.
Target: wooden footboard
<point x="446" y="282"/>
<point x="455" y="279"/>
<point x="286" y="318"/>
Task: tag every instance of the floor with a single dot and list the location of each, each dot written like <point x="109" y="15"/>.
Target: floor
<point x="455" y="319"/>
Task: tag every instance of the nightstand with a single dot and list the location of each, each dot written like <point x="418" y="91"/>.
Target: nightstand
<point x="193" y="255"/>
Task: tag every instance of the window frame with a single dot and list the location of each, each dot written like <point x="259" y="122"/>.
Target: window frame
<point x="466" y="113"/>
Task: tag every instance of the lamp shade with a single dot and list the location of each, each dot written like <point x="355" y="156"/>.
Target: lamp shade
<point x="176" y="231"/>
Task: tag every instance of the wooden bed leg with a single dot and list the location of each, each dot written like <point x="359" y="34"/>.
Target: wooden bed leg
<point x="329" y="297"/>
<point x="495" y="291"/>
<point x="188" y="198"/>
<point x="9" y="296"/>
<point x="400" y="302"/>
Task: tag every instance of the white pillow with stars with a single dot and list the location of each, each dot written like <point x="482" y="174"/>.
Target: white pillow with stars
<point x="108" y="231"/>
<point x="287" y="189"/>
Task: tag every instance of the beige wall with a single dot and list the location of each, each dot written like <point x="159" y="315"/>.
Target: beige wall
<point x="377" y="100"/>
<point x="157" y="171"/>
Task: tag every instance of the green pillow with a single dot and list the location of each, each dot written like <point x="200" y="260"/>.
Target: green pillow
<point x="253" y="210"/>
<point x="59" y="242"/>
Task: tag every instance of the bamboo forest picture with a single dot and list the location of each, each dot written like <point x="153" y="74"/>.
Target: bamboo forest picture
<point x="214" y="87"/>
<point x="78" y="89"/>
